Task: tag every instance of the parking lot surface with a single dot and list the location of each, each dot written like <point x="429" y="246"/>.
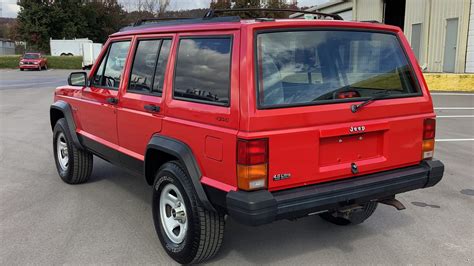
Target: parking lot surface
<point x="108" y="220"/>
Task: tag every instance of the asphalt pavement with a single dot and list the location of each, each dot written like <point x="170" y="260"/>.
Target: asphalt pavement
<point x="108" y="220"/>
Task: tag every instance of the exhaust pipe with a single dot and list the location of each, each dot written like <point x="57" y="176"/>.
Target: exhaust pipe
<point x="394" y="203"/>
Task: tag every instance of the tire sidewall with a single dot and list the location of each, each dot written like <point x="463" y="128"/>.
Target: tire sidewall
<point x="183" y="252"/>
<point x="58" y="129"/>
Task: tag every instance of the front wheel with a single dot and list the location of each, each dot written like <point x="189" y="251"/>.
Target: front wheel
<point x="188" y="232"/>
<point x="74" y="165"/>
<point x="353" y="216"/>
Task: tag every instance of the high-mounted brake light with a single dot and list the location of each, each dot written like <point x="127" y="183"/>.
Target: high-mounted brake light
<point x="429" y="132"/>
<point x="252" y="164"/>
<point x="347" y="94"/>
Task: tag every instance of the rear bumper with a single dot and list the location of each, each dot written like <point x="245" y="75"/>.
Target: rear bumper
<point x="261" y="207"/>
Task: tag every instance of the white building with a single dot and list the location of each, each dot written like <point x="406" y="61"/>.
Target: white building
<point x="441" y="32"/>
<point x="7" y="47"/>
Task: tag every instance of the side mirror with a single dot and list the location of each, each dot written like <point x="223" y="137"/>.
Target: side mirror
<point x="77" y="79"/>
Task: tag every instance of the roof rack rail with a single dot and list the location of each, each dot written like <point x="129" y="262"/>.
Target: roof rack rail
<point x="156" y="22"/>
<point x="212" y="12"/>
<point x="145" y="20"/>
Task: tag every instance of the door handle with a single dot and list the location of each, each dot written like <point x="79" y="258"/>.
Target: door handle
<point x="112" y="100"/>
<point x="152" y="108"/>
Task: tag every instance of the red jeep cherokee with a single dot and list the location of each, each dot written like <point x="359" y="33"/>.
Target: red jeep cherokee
<point x="33" y="61"/>
<point x="261" y="119"/>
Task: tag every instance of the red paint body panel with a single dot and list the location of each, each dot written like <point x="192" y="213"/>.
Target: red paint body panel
<point x="312" y="143"/>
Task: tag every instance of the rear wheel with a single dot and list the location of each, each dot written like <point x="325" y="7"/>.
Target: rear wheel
<point x="188" y="232"/>
<point x="21" y="69"/>
<point x="353" y="216"/>
<point x="74" y="165"/>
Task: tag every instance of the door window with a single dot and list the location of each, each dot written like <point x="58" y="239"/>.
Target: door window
<point x="110" y="70"/>
<point x="149" y="66"/>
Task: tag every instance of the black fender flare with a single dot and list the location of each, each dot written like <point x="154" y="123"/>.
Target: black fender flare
<point x="66" y="110"/>
<point x="186" y="157"/>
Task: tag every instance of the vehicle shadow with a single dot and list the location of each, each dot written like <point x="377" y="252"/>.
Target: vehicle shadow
<point x="121" y="177"/>
<point x="285" y="239"/>
<point x="275" y="242"/>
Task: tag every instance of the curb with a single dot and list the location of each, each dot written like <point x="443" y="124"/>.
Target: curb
<point x="449" y="82"/>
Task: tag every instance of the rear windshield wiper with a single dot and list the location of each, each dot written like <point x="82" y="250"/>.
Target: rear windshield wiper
<point x="376" y="96"/>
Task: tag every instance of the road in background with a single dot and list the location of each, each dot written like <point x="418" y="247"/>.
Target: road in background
<point x="108" y="220"/>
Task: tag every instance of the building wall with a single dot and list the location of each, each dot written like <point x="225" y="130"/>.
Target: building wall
<point x="417" y="12"/>
<point x="470" y="43"/>
<point x="440" y="11"/>
<point x="433" y="15"/>
<point x="361" y="9"/>
<point x="368" y="10"/>
<point x="337" y="8"/>
<point x="7" y="48"/>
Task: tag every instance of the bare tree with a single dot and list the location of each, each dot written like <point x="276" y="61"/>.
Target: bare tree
<point x="156" y="7"/>
<point x="164" y="4"/>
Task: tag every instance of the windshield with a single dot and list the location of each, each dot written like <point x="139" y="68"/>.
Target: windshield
<point x="322" y="66"/>
<point x="31" y="56"/>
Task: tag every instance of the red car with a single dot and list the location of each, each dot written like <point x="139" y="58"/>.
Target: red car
<point x="34" y="61"/>
<point x="261" y="120"/>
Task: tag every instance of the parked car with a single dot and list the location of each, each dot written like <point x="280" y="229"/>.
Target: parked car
<point x="34" y="61"/>
<point x="260" y="120"/>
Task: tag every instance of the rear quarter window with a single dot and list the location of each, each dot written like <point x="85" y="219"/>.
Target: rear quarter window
<point x="318" y="66"/>
<point x="203" y="70"/>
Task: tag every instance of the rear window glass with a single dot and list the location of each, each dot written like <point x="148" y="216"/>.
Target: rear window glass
<point x="312" y="67"/>
<point x="203" y="70"/>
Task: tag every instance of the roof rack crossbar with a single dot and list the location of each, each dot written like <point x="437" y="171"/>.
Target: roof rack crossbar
<point x="212" y="12"/>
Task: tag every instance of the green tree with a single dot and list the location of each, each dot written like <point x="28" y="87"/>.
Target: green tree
<point x="40" y="20"/>
<point x="103" y="18"/>
<point x="34" y="23"/>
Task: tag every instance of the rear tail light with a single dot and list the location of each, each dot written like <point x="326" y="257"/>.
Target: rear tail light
<point x="429" y="132"/>
<point x="252" y="164"/>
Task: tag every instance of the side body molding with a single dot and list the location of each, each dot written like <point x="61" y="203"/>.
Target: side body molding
<point x="66" y="110"/>
<point x="185" y="155"/>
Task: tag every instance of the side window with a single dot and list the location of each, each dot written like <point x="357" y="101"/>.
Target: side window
<point x="96" y="80"/>
<point x="110" y="70"/>
<point x="161" y="66"/>
<point x="149" y="66"/>
<point x="141" y="78"/>
<point x="203" y="70"/>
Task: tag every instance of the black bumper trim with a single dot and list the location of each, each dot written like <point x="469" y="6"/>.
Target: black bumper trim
<point x="261" y="207"/>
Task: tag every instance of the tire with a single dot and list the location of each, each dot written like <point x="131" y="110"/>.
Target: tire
<point x="352" y="217"/>
<point x="74" y="165"/>
<point x="21" y="69"/>
<point x="203" y="230"/>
